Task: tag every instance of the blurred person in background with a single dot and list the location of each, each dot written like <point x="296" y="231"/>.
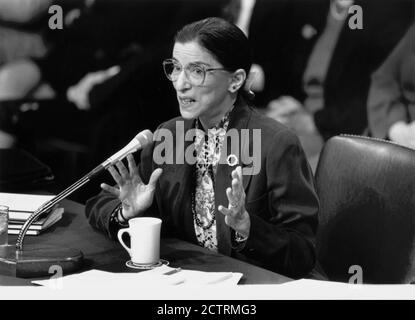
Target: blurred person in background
<point x="262" y="21"/>
<point x="391" y="104"/>
<point x="21" y="28"/>
<point x="327" y="64"/>
<point x="99" y="59"/>
<point x="24" y="38"/>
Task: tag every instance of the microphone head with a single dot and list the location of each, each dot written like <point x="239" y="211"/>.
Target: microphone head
<point x="144" y="138"/>
<point x="140" y="141"/>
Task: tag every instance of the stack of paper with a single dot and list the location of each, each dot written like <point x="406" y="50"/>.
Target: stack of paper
<point x="39" y="225"/>
<point x="21" y="206"/>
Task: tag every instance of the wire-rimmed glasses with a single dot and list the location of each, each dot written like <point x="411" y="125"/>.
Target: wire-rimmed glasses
<point x="195" y="73"/>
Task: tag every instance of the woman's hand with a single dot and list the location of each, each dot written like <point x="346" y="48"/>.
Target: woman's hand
<point x="236" y="215"/>
<point x="135" y="196"/>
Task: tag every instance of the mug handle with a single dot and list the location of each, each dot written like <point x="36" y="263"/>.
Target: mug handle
<point x="120" y="233"/>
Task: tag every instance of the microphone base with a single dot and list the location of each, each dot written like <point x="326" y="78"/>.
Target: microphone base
<point x="36" y="261"/>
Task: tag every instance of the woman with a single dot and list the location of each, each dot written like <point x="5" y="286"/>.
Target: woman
<point x="267" y="217"/>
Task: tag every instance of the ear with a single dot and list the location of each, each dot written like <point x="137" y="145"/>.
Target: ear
<point x="237" y="80"/>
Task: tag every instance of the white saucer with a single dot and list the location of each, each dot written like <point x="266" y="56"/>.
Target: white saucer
<point x="138" y="266"/>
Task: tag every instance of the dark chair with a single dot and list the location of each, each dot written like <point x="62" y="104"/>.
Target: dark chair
<point x="20" y="171"/>
<point x="367" y="215"/>
<point x="52" y="132"/>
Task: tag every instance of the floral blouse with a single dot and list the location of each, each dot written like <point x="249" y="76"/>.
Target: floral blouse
<point x="208" y="148"/>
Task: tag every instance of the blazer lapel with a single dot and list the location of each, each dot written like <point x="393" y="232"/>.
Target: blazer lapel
<point x="239" y="118"/>
<point x="181" y="175"/>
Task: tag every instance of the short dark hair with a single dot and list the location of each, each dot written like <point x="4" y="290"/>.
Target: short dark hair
<point x="224" y="40"/>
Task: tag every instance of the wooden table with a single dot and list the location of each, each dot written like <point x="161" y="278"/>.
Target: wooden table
<point x="101" y="253"/>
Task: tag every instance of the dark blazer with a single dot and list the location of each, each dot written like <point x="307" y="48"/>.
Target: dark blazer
<point x="357" y="54"/>
<point x="280" y="199"/>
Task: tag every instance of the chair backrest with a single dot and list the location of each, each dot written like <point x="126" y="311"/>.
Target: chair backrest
<point x="367" y="215"/>
<point x="20" y="171"/>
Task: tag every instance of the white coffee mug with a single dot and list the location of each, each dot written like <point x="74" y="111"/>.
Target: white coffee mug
<point x="145" y="240"/>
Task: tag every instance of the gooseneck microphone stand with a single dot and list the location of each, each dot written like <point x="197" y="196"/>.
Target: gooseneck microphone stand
<point x="35" y="261"/>
<point x="53" y="202"/>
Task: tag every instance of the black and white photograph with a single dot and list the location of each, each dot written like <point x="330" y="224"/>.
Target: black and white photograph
<point x="204" y="156"/>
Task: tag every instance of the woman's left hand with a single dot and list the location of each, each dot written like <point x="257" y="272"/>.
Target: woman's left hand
<point x="236" y="215"/>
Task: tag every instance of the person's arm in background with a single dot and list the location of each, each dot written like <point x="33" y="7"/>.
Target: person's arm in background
<point x="346" y="95"/>
<point x="22" y="11"/>
<point x="385" y="104"/>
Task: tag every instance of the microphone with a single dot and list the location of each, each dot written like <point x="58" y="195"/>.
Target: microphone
<point x="141" y="140"/>
<point x="35" y="261"/>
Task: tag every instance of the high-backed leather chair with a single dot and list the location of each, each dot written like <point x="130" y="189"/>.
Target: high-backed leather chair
<point x="367" y="215"/>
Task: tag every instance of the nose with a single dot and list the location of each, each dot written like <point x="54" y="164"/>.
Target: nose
<point x="182" y="83"/>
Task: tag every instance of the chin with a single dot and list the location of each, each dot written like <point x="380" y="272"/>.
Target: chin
<point x="188" y="114"/>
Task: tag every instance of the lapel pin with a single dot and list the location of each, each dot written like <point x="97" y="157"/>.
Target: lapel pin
<point x="232" y="160"/>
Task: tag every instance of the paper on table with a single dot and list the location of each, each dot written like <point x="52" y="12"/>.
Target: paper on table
<point x="97" y="278"/>
<point x="192" y="277"/>
<point x="157" y="276"/>
<point x="23" y="202"/>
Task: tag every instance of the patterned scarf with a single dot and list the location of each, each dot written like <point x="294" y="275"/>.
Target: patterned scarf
<point x="208" y="149"/>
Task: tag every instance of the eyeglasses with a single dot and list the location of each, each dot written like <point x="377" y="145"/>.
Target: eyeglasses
<point x="195" y="73"/>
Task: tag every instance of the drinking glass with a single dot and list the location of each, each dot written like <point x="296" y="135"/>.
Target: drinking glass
<point x="4" y="220"/>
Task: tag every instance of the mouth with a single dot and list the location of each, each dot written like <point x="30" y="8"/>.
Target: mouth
<point x="186" y="101"/>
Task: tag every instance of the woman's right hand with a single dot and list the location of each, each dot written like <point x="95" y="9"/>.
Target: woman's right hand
<point x="134" y="195"/>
